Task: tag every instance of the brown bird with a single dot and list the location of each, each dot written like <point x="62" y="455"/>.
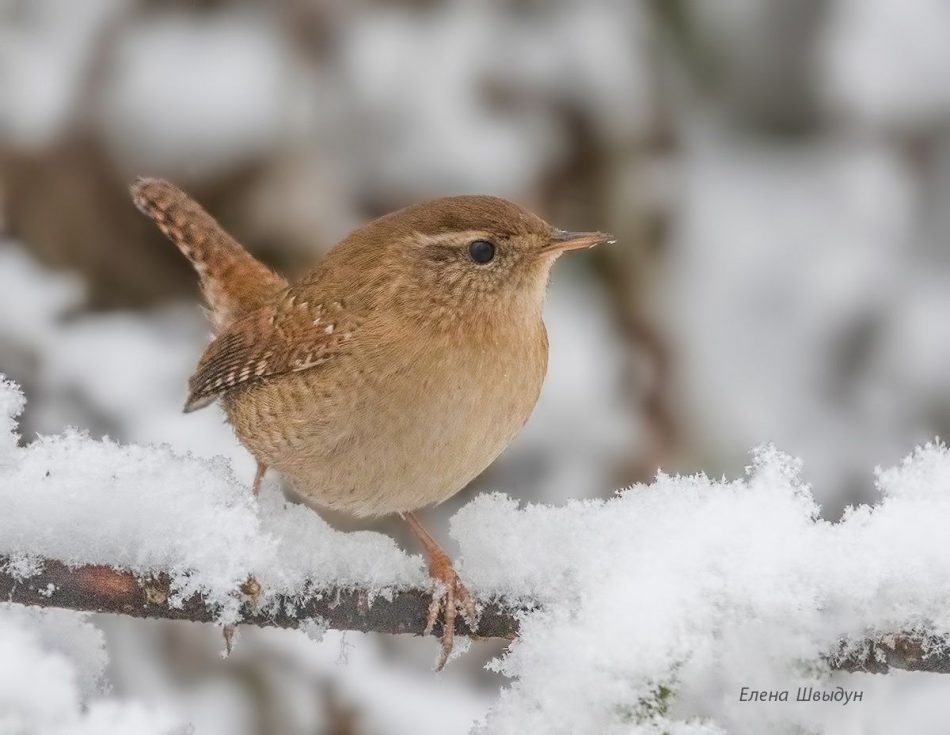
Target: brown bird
<point x="394" y="372"/>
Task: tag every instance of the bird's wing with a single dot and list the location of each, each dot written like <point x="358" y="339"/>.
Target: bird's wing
<point x="233" y="281"/>
<point x="287" y="336"/>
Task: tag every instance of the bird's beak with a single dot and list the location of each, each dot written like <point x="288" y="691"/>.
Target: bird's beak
<point x="562" y="240"/>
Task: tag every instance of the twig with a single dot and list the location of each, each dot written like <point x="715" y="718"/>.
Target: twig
<point x="104" y="589"/>
<point x="107" y="590"/>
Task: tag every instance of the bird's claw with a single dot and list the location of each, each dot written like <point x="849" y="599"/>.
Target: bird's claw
<point x="450" y="597"/>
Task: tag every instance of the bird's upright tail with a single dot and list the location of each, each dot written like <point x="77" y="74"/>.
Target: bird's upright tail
<point x="233" y="281"/>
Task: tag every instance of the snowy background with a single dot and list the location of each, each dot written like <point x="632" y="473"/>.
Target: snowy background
<point x="776" y="173"/>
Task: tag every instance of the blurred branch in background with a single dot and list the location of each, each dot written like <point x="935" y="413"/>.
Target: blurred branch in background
<point x="624" y="182"/>
<point x="776" y="175"/>
<point x="107" y="590"/>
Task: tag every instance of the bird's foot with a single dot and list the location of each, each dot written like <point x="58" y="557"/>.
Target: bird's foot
<point x="448" y="597"/>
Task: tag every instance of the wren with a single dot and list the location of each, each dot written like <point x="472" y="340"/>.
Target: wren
<point x="394" y="372"/>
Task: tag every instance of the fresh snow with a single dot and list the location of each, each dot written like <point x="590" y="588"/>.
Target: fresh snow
<point x="702" y="587"/>
<point x="647" y="612"/>
<point x="51" y="680"/>
<point x="148" y="509"/>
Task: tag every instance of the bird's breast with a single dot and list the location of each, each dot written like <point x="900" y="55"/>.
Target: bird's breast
<point x="389" y="428"/>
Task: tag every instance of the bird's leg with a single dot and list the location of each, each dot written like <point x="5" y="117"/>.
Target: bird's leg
<point x="450" y="594"/>
<point x="258" y="478"/>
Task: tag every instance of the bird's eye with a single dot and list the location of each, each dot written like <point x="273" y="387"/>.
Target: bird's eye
<point x="481" y="251"/>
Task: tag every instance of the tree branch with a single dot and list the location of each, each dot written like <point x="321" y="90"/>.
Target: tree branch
<point x="107" y="590"/>
<point x="104" y="589"/>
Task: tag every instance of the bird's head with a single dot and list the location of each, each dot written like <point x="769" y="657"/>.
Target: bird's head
<point x="464" y="256"/>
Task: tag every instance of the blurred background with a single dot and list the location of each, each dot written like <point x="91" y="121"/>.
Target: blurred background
<point x="777" y="174"/>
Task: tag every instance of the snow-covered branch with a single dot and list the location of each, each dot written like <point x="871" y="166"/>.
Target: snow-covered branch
<point x="687" y="587"/>
<point x="98" y="588"/>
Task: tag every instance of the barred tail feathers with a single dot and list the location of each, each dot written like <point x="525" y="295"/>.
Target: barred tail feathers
<point x="234" y="283"/>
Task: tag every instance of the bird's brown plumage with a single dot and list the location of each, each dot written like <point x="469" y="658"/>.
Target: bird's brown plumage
<point x="396" y="370"/>
<point x="287" y="336"/>
<point x="308" y="322"/>
<point x="233" y="282"/>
